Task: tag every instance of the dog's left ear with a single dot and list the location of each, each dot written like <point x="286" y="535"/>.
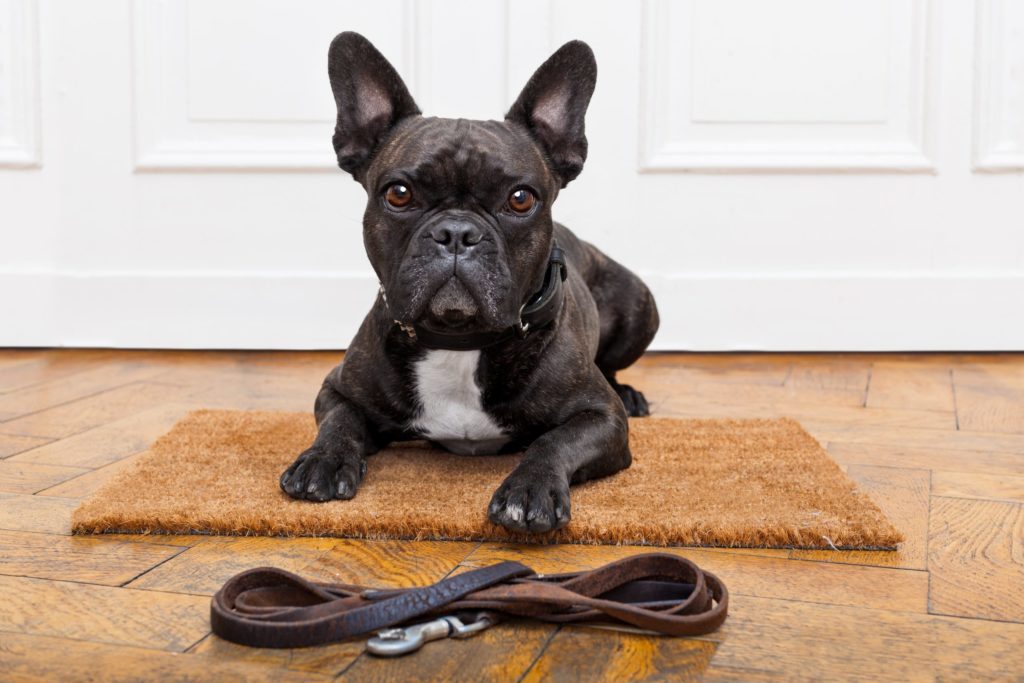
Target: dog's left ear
<point x="553" y="106"/>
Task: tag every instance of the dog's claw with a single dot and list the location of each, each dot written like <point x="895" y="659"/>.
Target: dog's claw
<point x="319" y="476"/>
<point x="525" y="502"/>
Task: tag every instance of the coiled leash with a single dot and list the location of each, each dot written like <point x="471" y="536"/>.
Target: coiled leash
<point x="651" y="592"/>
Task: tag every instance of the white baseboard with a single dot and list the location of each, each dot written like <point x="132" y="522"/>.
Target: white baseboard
<point x="184" y="310"/>
<point x="842" y="312"/>
<point x="700" y="311"/>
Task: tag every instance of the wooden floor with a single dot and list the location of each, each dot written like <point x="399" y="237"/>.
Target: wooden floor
<point x="936" y="440"/>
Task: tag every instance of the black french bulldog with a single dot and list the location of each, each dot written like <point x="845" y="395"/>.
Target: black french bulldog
<point x="496" y="329"/>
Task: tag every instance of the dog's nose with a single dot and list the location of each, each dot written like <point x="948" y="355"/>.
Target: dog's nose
<point x="456" y="236"/>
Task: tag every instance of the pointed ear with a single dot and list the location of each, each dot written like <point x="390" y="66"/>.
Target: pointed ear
<point x="371" y="99"/>
<point x="553" y="106"/>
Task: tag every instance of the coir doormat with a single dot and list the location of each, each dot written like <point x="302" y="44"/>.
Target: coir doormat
<point x="764" y="483"/>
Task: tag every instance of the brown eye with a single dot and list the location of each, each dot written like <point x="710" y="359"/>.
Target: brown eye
<point x="521" y="201"/>
<point x="398" y="195"/>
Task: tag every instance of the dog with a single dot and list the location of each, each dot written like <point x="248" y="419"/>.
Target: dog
<point x="496" y="330"/>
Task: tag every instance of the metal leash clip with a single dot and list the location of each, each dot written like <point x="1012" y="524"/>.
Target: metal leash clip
<point x="393" y="642"/>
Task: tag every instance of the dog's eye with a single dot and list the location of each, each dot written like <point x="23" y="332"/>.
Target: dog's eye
<point x="521" y="201"/>
<point x="398" y="195"/>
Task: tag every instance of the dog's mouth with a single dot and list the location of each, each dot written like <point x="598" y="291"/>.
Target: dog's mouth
<point x="452" y="309"/>
<point x="444" y="298"/>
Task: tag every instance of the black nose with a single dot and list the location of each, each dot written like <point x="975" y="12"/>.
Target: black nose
<point x="456" y="236"/>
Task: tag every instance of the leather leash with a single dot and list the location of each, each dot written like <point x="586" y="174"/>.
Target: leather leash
<point x="653" y="592"/>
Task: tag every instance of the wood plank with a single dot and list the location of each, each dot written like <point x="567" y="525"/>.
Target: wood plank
<point x="165" y="621"/>
<point x="976" y="559"/>
<point x="203" y="568"/>
<point x="213" y="560"/>
<point x="684" y="373"/>
<point x="825" y="424"/>
<point x="79" y="385"/>
<point x="501" y="653"/>
<point x="13" y="357"/>
<point x="93" y="411"/>
<point x="12" y="444"/>
<point x="982" y="486"/>
<point x="329" y="660"/>
<point x="48" y="515"/>
<point x="911" y="436"/>
<point x="27" y="477"/>
<point x="1011" y="359"/>
<point x="735" y="674"/>
<point x="903" y="495"/>
<point x="46" y="658"/>
<point x="251" y="390"/>
<point x="75" y="558"/>
<point x="111" y="441"/>
<point x="796" y="399"/>
<point x="763" y="552"/>
<point x="935" y="459"/>
<point x="315" y="361"/>
<point x="816" y="418"/>
<point x="903" y="386"/>
<point x="84" y="485"/>
<point x="845" y="381"/>
<point x="298" y="376"/>
<point x="397" y="564"/>
<point x="800" y="381"/>
<point x="808" y="641"/>
<point x="841" y="584"/>
<point x="180" y="540"/>
<point x="701" y="358"/>
<point x="990" y="399"/>
<point x="623" y="657"/>
<point x="49" y="366"/>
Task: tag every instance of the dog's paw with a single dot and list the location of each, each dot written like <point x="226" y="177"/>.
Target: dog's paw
<point x="530" y="502"/>
<point x="318" y="475"/>
<point x="633" y="400"/>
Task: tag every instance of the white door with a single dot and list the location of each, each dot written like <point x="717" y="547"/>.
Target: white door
<point x="786" y="174"/>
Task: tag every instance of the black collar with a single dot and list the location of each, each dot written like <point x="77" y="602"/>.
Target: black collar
<point x="538" y="311"/>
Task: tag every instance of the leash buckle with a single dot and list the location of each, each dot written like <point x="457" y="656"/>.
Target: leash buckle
<point x="393" y="642"/>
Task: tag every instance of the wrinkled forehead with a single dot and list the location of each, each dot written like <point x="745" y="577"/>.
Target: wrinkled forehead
<point x="461" y="152"/>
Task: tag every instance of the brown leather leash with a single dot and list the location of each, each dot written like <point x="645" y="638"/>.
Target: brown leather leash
<point x="652" y="592"/>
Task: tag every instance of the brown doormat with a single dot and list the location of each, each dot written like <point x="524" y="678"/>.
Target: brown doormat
<point x="764" y="483"/>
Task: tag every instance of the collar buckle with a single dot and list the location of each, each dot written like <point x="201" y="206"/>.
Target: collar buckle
<point x="522" y="327"/>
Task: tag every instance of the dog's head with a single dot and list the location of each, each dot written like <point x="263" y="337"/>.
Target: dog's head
<point x="458" y="218"/>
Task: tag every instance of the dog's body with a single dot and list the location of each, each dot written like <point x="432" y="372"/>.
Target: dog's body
<point x="458" y="228"/>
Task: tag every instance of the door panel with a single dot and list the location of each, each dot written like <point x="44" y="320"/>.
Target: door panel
<point x="786" y="175"/>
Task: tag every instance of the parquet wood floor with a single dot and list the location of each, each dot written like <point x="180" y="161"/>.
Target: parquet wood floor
<point x="937" y="440"/>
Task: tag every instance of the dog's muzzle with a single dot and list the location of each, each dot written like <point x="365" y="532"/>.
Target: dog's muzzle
<point x="539" y="310"/>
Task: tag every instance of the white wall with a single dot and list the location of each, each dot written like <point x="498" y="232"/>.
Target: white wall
<point x="792" y="174"/>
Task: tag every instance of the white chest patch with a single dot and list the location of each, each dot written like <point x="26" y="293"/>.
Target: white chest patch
<point x="451" y="409"/>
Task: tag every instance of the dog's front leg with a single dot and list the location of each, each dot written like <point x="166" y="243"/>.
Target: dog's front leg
<point x="535" y="497"/>
<point x="334" y="465"/>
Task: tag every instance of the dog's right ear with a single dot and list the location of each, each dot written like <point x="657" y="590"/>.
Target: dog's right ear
<point x="371" y="99"/>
